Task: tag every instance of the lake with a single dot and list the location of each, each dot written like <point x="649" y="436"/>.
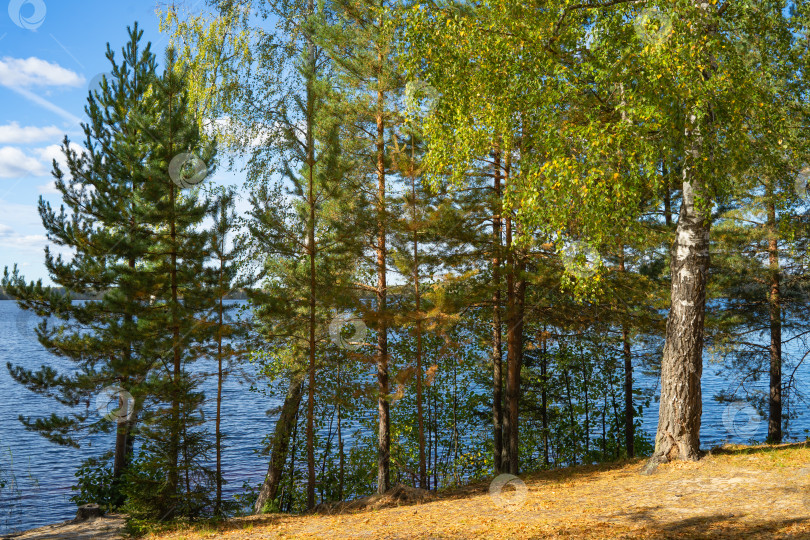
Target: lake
<point x="44" y="472"/>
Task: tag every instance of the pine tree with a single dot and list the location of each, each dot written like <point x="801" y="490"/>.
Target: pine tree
<point x="415" y="233"/>
<point x="305" y="241"/>
<point x="175" y="444"/>
<point x="361" y="45"/>
<point x="229" y="336"/>
<point x="104" y="223"/>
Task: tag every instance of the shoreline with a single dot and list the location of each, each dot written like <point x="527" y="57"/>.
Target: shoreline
<point x="107" y="527"/>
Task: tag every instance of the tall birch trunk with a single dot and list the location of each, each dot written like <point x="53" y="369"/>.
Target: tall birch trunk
<point x="680" y="409"/>
<point x="281" y="443"/>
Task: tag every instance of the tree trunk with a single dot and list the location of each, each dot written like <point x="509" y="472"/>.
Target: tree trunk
<point x="629" y="411"/>
<point x="311" y="254"/>
<point x="516" y="289"/>
<point x="680" y="409"/>
<point x="173" y="476"/>
<point x="341" y="455"/>
<point x="775" y="310"/>
<point x="123" y="441"/>
<point x="121" y="446"/>
<point x="280" y="444"/>
<point x="497" y="357"/>
<point x="544" y="398"/>
<point x="217" y="430"/>
<point x="384" y="431"/>
<point x="587" y="415"/>
<point x="418" y="298"/>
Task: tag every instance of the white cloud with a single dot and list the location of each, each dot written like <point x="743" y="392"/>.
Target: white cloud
<point x="21" y="233"/>
<point x="9" y="238"/>
<point x="54" y="152"/>
<point x="36" y="72"/>
<point x="20" y="215"/>
<point x="225" y="128"/>
<point x="13" y="239"/>
<point x="14" y="163"/>
<point x="48" y="189"/>
<point x="13" y="133"/>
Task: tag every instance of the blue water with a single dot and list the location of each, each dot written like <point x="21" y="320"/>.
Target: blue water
<point x="42" y="472"/>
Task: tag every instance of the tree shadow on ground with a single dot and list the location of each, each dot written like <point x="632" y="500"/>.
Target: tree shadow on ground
<point x="739" y="450"/>
<point x="721" y="525"/>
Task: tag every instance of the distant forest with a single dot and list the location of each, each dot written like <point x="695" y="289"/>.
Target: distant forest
<point x="235" y="295"/>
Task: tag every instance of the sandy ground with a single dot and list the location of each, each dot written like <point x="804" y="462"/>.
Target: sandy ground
<point x="109" y="527"/>
<point x="745" y="493"/>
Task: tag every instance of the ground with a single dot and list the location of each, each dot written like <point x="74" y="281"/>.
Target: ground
<point x="109" y="527"/>
<point x="734" y="492"/>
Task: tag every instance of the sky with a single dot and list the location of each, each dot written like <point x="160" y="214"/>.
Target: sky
<point x="50" y="53"/>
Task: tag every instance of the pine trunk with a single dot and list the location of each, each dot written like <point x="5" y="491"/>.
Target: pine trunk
<point x="516" y="289"/>
<point x="175" y="428"/>
<point x="311" y="248"/>
<point x="775" y="311"/>
<point x="121" y="443"/>
<point x="418" y="299"/>
<point x="497" y="355"/>
<point x="544" y="398"/>
<point x="384" y="431"/>
<point x="217" y="425"/>
<point x="629" y="411"/>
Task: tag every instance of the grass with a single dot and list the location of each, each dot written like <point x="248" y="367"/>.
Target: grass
<point x="733" y="492"/>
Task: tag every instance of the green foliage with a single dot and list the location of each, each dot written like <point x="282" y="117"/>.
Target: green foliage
<point x="393" y="153"/>
<point x="95" y="483"/>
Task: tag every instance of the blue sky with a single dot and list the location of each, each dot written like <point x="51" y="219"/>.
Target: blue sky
<point x="50" y="51"/>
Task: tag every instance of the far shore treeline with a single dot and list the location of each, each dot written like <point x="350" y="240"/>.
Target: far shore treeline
<point x="234" y="295"/>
